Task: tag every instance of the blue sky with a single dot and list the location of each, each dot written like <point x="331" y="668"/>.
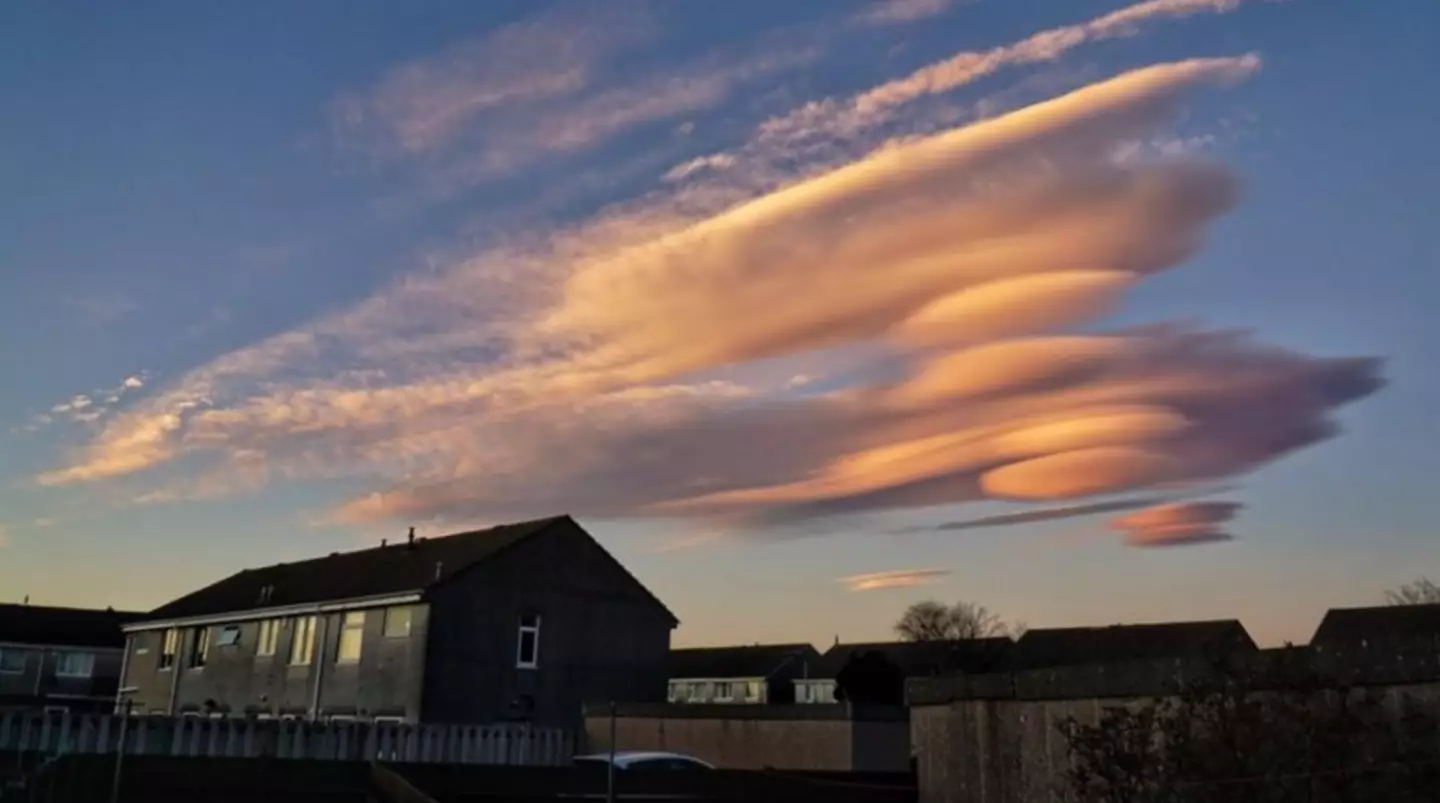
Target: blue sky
<point x="762" y="293"/>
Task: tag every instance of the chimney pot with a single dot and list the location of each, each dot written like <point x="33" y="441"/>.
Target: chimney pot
<point x="411" y="538"/>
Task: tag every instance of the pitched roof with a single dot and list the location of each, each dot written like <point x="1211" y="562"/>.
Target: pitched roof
<point x="1386" y="623"/>
<point x="751" y="661"/>
<point x="63" y="627"/>
<point x="1070" y="646"/>
<point x="921" y="658"/>
<point x="400" y="568"/>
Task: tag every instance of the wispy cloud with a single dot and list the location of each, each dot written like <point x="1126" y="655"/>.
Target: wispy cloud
<point x="101" y="309"/>
<point x="929" y="290"/>
<point x="542" y="88"/>
<point x="891" y="12"/>
<point x="903" y="578"/>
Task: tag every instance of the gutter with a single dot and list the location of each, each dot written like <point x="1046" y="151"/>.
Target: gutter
<point x="253" y="614"/>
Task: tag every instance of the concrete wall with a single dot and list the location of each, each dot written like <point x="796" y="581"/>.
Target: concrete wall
<point x="602" y="636"/>
<point x="795" y="737"/>
<point x="39" y="686"/>
<point x="385" y="681"/>
<point x="994" y="738"/>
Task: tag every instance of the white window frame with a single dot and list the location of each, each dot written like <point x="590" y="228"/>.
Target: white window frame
<point x="352" y="626"/>
<point x="24" y="661"/>
<point x="756" y="686"/>
<point x="302" y="641"/>
<point x="269" y="638"/>
<point x="169" y="649"/>
<point x="199" y="648"/>
<point x="533" y="630"/>
<point x="87" y="659"/>
<point x="394" y="611"/>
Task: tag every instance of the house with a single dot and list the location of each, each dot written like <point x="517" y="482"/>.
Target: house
<point x="60" y="658"/>
<point x="757" y="674"/>
<point x="1074" y="646"/>
<point x="914" y="658"/>
<point x="1388" y="625"/>
<point x="522" y="622"/>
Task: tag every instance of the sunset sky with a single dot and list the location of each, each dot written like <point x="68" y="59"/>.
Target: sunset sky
<point x="1084" y="311"/>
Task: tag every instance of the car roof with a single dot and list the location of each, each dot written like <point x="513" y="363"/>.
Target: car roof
<point x="623" y="757"/>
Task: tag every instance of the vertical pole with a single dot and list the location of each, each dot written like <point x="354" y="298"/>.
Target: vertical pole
<point x="120" y="752"/>
<point x="610" y="765"/>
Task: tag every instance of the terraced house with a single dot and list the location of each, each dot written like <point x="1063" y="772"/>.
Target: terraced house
<point x="522" y="622"/>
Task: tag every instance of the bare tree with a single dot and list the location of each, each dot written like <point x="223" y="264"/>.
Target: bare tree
<point x="1420" y="592"/>
<point x="935" y="621"/>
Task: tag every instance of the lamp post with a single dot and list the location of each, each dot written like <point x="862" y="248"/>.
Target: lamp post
<point x="125" y="705"/>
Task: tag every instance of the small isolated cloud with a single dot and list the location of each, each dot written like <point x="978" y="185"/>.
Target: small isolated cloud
<point x="1177" y="524"/>
<point x="44" y="523"/>
<point x="715" y="161"/>
<point x="1037" y="515"/>
<point x="891" y="12"/>
<point x="134" y="382"/>
<point x="903" y="578"/>
<point x="99" y="310"/>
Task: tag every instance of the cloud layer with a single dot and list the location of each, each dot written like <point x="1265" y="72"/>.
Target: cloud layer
<point x="1177" y="524"/>
<point x="935" y="293"/>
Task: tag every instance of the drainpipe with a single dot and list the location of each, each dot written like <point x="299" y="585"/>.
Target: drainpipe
<point x="124" y="667"/>
<point x="321" y="626"/>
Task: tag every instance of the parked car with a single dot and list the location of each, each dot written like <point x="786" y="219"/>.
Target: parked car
<point x="645" y="761"/>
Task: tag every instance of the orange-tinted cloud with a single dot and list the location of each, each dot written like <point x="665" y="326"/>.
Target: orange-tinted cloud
<point x="1177" y="524"/>
<point x="628" y="383"/>
<point x="903" y="578"/>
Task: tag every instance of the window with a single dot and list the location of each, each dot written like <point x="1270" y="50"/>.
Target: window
<point x="168" y="649"/>
<point x="269" y="637"/>
<point x="722" y="692"/>
<point x="397" y="622"/>
<point x="74" y="665"/>
<point x="229" y="636"/>
<point x="199" y="647"/>
<point x="752" y="691"/>
<point x="302" y="645"/>
<point x="352" y="636"/>
<point x="677" y="692"/>
<point x="527" y="653"/>
<point x="700" y="692"/>
<point x="12" y="662"/>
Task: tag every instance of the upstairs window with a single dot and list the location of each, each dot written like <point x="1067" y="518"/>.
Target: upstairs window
<point x="13" y="662"/>
<point x="169" y="647"/>
<point x="199" y="647"/>
<point x="75" y="665"/>
<point x="752" y="691"/>
<point x="269" y="637"/>
<point x="397" y="622"/>
<point x="527" y="652"/>
<point x="302" y="645"/>
<point x="352" y="637"/>
<point x="228" y="636"/>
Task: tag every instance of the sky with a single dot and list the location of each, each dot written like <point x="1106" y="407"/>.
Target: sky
<point x="1086" y="312"/>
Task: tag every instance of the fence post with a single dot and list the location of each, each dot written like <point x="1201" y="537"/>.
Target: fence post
<point x="120" y="752"/>
<point x="610" y="765"/>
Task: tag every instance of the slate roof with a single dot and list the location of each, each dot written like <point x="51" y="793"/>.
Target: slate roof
<point x="922" y="658"/>
<point x="751" y="661"/>
<point x="393" y="569"/>
<point x="1383" y="624"/>
<point x="1072" y="646"/>
<point x="63" y="627"/>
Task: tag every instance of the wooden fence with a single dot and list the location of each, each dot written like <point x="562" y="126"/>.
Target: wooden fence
<point x="63" y="734"/>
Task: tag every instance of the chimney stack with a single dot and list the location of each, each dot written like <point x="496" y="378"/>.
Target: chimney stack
<point x="411" y="540"/>
<point x="383" y="541"/>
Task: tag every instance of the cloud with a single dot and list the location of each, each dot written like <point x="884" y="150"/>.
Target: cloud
<point x="100" y="310"/>
<point x="1036" y="515"/>
<point x="1177" y="524"/>
<point x="134" y="382"/>
<point x="550" y="86"/>
<point x="876" y="105"/>
<point x="891" y="12"/>
<point x="715" y="161"/>
<point x="638" y="365"/>
<point x="905" y="578"/>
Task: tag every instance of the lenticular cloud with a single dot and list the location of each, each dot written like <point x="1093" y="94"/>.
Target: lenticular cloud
<point x="930" y="292"/>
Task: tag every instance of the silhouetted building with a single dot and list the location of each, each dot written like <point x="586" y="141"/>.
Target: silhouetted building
<point x="60" y="658"/>
<point x="755" y="674"/>
<point x="521" y="622"/>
